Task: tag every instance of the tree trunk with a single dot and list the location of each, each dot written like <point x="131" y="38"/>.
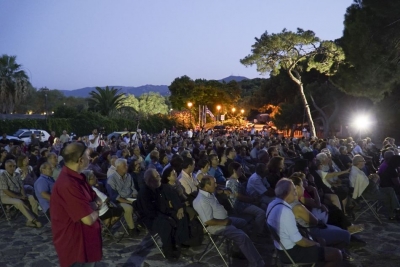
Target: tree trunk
<point x="308" y="111"/>
<point x="297" y="80"/>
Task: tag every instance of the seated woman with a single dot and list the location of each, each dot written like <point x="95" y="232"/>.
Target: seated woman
<point x="109" y="213"/>
<point x="162" y="212"/>
<point x="169" y="179"/>
<point x="333" y="236"/>
<point x="311" y="200"/>
<point x="28" y="176"/>
<point x="243" y="204"/>
<point x="204" y="167"/>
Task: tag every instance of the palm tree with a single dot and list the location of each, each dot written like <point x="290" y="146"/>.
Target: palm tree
<point x="14" y="83"/>
<point x="106" y="100"/>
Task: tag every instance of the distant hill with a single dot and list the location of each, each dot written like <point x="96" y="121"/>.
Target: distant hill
<point x="137" y="91"/>
<point x="233" y="78"/>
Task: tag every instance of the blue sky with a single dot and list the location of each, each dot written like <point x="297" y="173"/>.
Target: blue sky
<point x="74" y="44"/>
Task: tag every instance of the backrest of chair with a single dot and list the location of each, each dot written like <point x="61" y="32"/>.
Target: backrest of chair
<point x="275" y="236"/>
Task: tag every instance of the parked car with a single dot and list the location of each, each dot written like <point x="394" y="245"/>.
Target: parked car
<point x="118" y="134"/>
<point x="24" y="135"/>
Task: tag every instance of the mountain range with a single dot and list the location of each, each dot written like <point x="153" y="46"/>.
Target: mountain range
<point x="137" y="91"/>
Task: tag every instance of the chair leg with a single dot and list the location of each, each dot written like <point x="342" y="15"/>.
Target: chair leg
<point x="371" y="207"/>
<point x="216" y="247"/>
<point x="154" y="238"/>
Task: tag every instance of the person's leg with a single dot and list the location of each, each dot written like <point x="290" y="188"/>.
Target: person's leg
<point x="259" y="217"/>
<point x="333" y="257"/>
<point x="332" y="199"/>
<point x="241" y="240"/>
<point x="34" y="204"/>
<point x="333" y="236"/>
<point x="388" y="196"/>
<point x="128" y="214"/>
<point x="19" y="204"/>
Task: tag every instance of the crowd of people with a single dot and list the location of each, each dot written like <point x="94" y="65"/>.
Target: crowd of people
<point x="240" y="185"/>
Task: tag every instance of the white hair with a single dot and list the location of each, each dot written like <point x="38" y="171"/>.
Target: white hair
<point x="322" y="157"/>
<point x="120" y="161"/>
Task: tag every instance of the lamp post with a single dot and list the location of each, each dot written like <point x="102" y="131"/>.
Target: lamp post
<point x="242" y="111"/>
<point x="233" y="112"/>
<point x="219" y="115"/>
<point x="190" y="104"/>
<point x="45" y="90"/>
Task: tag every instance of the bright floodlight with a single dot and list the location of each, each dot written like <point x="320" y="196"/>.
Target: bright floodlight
<point x="362" y="122"/>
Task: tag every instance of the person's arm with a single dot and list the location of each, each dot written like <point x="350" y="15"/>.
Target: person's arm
<point x="216" y="222"/>
<point x="301" y="212"/>
<point x="91" y="218"/>
<point x="11" y="194"/>
<point x="304" y="242"/>
<point x="45" y="195"/>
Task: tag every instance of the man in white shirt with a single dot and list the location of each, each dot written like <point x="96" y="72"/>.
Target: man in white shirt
<point x="186" y="179"/>
<point x="94" y="140"/>
<point x="64" y="137"/>
<point x="190" y="133"/>
<point x="368" y="188"/>
<point x="281" y="218"/>
<point x="216" y="218"/>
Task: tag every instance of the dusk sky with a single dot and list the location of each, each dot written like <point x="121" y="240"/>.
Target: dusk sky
<point x="74" y="44"/>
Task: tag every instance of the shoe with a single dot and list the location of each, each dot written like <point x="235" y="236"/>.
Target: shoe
<point x="355" y="228"/>
<point x="238" y="255"/>
<point x="34" y="224"/>
<point x="133" y="232"/>
<point x="357" y="241"/>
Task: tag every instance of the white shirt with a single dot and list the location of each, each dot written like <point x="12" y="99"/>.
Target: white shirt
<point x="255" y="186"/>
<point x="188" y="182"/>
<point x="282" y="219"/>
<point x="358" y="180"/>
<point x="208" y="207"/>
<point x="104" y="207"/>
<point x="189" y="134"/>
<point x="96" y="141"/>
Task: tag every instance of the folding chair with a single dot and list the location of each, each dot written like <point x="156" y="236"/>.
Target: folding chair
<point x="108" y="231"/>
<point x="214" y="244"/>
<point x="45" y="214"/>
<point x="6" y="208"/>
<point x="371" y="205"/>
<point x="276" y="238"/>
<point x="154" y="236"/>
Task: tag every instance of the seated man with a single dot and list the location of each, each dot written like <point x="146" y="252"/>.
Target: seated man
<point x="281" y="218"/>
<point x="162" y="212"/>
<point x="258" y="187"/>
<point x="216" y="218"/>
<point x="369" y="189"/>
<point x="43" y="186"/>
<point x="120" y="188"/>
<point x="12" y="192"/>
<point x="186" y="179"/>
<point x="52" y="158"/>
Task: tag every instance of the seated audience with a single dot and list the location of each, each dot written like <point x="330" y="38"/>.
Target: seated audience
<point x="215" y="217"/>
<point x="281" y="218"/>
<point x="258" y="186"/>
<point x="369" y="189"/>
<point x="43" y="186"/>
<point x="121" y="189"/>
<point x="12" y="192"/>
<point x="185" y="178"/>
<point x="162" y="212"/>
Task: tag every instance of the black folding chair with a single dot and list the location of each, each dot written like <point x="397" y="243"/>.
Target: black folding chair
<point x="276" y="238"/>
<point x="153" y="235"/>
<point x="216" y="242"/>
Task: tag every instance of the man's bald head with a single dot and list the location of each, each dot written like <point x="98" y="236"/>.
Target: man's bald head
<point x="73" y="152"/>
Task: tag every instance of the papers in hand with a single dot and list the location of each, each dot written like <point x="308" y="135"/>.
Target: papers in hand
<point x="320" y="215"/>
<point x="131" y="199"/>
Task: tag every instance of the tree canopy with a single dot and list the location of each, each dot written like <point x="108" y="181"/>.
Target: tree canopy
<point x="106" y="100"/>
<point x="288" y="51"/>
<point x="14" y="83"/>
<point x="371" y="43"/>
